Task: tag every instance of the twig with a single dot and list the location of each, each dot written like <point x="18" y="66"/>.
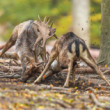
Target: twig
<point x="100" y="62"/>
<point x="87" y="70"/>
<point x="106" y="72"/>
<point x="13" y="76"/>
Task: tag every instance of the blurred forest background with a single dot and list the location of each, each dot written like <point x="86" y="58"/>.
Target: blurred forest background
<point x="13" y="12"/>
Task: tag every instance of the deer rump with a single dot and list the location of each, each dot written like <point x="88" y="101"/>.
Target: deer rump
<point x="68" y="44"/>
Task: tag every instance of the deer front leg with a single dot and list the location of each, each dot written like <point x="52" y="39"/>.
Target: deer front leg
<point x="55" y="67"/>
<point x="51" y="59"/>
<point x="47" y="74"/>
<point x="8" y="45"/>
<point x="38" y="80"/>
<point x="70" y="66"/>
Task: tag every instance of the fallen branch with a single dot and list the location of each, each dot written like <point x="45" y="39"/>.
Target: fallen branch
<point x="98" y="92"/>
<point x="33" y="87"/>
<point x="13" y="76"/>
<point x="93" y="97"/>
<point x="87" y="70"/>
<point x="10" y="68"/>
<point x="57" y="101"/>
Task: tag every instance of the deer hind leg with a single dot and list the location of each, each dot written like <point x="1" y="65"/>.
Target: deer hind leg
<point x="9" y="44"/>
<point x="53" y="55"/>
<point x="70" y="67"/>
<point x="92" y="64"/>
<point x="73" y="72"/>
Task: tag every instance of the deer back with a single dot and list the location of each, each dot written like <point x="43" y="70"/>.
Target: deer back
<point x="63" y="46"/>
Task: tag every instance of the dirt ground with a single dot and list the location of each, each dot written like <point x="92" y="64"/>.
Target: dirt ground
<point x="89" y="92"/>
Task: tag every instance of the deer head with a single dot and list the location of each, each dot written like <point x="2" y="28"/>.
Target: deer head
<point x="44" y="31"/>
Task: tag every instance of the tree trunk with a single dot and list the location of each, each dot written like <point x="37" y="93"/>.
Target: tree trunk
<point x="104" y="57"/>
<point x="81" y="22"/>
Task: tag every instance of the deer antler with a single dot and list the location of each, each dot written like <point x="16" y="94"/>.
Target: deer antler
<point x="48" y="21"/>
<point x="45" y="19"/>
<point x="39" y="18"/>
<point x="55" y="36"/>
<point x="51" y="25"/>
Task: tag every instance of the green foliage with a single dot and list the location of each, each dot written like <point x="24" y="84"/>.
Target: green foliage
<point x="63" y="24"/>
<point x="95" y="22"/>
<point x="95" y="34"/>
<point x="16" y="11"/>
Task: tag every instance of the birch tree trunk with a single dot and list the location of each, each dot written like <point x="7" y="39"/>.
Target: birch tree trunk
<point x="104" y="57"/>
<point x="81" y="23"/>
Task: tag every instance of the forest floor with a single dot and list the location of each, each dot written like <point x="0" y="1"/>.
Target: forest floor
<point x="89" y="92"/>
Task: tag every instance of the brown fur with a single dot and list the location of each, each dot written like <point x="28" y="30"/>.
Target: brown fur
<point x="67" y="58"/>
<point x="27" y="35"/>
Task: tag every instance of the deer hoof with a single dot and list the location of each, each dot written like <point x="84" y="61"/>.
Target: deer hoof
<point x="66" y="85"/>
<point x="38" y="80"/>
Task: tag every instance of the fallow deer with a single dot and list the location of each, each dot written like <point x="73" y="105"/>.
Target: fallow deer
<point x="29" y="39"/>
<point x="67" y="50"/>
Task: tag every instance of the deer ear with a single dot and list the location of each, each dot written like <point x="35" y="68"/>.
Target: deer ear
<point x="52" y="32"/>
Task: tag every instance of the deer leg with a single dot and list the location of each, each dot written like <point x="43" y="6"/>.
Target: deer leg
<point x="32" y="61"/>
<point x="23" y="68"/>
<point x="51" y="59"/>
<point x="47" y="74"/>
<point x="9" y="44"/>
<point x="70" y="66"/>
<point x="73" y="72"/>
<point x="55" y="67"/>
<point x="95" y="68"/>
